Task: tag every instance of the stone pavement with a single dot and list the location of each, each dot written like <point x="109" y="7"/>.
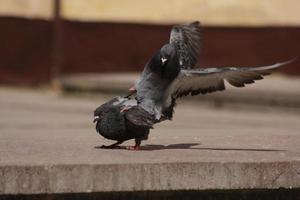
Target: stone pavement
<point x="48" y="145"/>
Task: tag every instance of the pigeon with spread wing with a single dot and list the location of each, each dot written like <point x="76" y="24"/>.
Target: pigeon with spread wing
<point x="169" y="75"/>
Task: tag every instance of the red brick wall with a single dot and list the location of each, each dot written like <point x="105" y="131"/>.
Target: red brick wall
<point x="25" y="50"/>
<point x="26" y="47"/>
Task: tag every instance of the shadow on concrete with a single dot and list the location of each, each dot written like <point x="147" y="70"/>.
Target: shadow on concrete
<point x="154" y="147"/>
<point x="151" y="147"/>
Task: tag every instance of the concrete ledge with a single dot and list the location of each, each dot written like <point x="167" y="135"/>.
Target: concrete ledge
<point x="257" y="194"/>
<point x="148" y="177"/>
<point x="48" y="145"/>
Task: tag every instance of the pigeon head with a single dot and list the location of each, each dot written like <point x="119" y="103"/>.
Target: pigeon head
<point x="97" y="114"/>
<point x="165" y="62"/>
<point x="167" y="54"/>
<point x="100" y="113"/>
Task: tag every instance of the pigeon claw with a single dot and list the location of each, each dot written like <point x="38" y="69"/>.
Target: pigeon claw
<point x="133" y="148"/>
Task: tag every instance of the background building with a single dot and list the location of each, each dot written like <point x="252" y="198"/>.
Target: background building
<point x="40" y="39"/>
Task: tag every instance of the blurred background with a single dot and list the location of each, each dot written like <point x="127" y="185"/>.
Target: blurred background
<point x="52" y="39"/>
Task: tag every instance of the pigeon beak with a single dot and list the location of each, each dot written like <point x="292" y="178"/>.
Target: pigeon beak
<point x="163" y="60"/>
<point x="95" y="119"/>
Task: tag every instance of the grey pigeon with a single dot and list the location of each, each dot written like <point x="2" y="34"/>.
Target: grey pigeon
<point x="169" y="74"/>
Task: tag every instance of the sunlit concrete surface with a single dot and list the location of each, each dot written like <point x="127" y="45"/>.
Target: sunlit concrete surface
<point x="48" y="145"/>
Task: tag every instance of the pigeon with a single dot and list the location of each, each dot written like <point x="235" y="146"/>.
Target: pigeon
<point x="121" y="119"/>
<point x="170" y="74"/>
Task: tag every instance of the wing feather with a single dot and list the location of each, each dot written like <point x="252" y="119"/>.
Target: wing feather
<point x="186" y="38"/>
<point x="140" y="117"/>
<point x="207" y="80"/>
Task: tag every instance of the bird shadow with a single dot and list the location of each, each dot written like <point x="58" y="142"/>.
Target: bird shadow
<point x="191" y="146"/>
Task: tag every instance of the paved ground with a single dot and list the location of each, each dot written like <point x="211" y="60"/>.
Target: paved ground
<point x="48" y="145"/>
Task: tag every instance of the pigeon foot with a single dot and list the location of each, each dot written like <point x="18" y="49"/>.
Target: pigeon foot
<point x="137" y="145"/>
<point x="133" y="148"/>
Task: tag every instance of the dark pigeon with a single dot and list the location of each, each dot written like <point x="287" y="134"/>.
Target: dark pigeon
<point x="168" y="75"/>
<point x="121" y="119"/>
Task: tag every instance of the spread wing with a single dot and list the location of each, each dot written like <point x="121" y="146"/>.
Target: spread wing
<point x="186" y="38"/>
<point x="207" y="80"/>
